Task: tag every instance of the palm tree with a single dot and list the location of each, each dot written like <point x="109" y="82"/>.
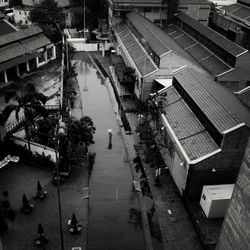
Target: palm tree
<point x="81" y="131"/>
<point x="31" y="102"/>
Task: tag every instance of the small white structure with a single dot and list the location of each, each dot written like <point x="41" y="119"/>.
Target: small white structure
<point x="214" y="200"/>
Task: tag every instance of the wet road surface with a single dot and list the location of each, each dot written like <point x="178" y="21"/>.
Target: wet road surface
<point x="112" y="223"/>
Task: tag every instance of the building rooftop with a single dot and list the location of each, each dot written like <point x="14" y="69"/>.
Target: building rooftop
<point x="23" y="47"/>
<point x="191" y="134"/>
<point x="150" y="32"/>
<point x="213" y="36"/>
<point x="238" y="10"/>
<point x="141" y="59"/>
<point x="245" y="96"/>
<point x="19" y="35"/>
<point x="158" y="36"/>
<point x="214" y="110"/>
<point x="14" y="51"/>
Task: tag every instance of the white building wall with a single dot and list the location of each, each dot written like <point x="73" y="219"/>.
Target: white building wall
<point x="4" y="3"/>
<point x="21" y="16"/>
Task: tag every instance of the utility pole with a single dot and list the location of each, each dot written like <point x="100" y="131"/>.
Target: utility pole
<point x="58" y="185"/>
<point x="84" y="19"/>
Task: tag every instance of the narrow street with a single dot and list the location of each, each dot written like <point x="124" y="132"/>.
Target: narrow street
<point x="111" y="223"/>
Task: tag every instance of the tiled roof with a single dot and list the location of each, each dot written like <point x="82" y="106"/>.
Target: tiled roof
<point x="23" y="47"/>
<point x="191" y="134"/>
<point x="153" y="35"/>
<point x="238" y="10"/>
<point x="212" y="35"/>
<point x="218" y="115"/>
<point x="141" y="59"/>
<point x="19" y="35"/>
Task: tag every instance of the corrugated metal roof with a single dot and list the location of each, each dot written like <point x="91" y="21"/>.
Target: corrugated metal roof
<point x="137" y="53"/>
<point x="190" y="132"/>
<point x="214" y="65"/>
<point x="199" y="145"/>
<point x="172" y="95"/>
<point x="238" y="10"/>
<point x="145" y="66"/>
<point x="220" y="117"/>
<point x="212" y="35"/>
<point x="245" y="97"/>
<point x="19" y="35"/>
<point x="153" y="35"/>
<point x="182" y="120"/>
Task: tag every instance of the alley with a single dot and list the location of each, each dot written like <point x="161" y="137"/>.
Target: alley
<point x="111" y="223"/>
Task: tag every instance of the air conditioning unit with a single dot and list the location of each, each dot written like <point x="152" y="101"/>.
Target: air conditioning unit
<point x="215" y="199"/>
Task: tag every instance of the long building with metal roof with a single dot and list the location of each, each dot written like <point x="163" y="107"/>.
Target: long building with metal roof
<point x="225" y="60"/>
<point x="202" y="136"/>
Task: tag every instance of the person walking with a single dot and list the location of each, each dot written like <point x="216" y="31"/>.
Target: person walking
<point x="110" y="139"/>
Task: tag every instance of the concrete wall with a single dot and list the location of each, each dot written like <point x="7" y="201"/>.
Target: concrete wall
<point x="179" y="173"/>
<point x="235" y="233"/>
<point x="80" y="45"/>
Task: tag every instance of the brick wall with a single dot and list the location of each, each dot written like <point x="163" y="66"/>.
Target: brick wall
<point x="235" y="233"/>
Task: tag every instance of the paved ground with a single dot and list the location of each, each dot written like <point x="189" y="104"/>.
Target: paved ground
<point x="19" y="179"/>
<point x="111" y="194"/>
<point x="177" y="230"/>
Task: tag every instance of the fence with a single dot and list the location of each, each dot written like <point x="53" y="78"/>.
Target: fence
<point x="36" y="148"/>
<point x="9" y="128"/>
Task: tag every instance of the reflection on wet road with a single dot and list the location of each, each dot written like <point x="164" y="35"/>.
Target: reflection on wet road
<point x="114" y="215"/>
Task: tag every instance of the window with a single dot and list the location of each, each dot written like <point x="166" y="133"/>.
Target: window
<point x="204" y="197"/>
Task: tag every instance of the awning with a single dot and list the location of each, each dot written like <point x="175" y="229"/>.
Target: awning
<point x="166" y="82"/>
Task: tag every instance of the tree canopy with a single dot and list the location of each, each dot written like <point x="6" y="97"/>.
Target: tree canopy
<point x="81" y="131"/>
<point x="94" y="10"/>
<point x="49" y="16"/>
<point x="47" y="12"/>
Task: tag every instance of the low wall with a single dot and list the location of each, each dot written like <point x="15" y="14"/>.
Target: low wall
<point x="36" y="148"/>
<point x="80" y="45"/>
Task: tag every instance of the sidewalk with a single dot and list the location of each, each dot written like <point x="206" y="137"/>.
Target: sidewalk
<point x="177" y="230"/>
